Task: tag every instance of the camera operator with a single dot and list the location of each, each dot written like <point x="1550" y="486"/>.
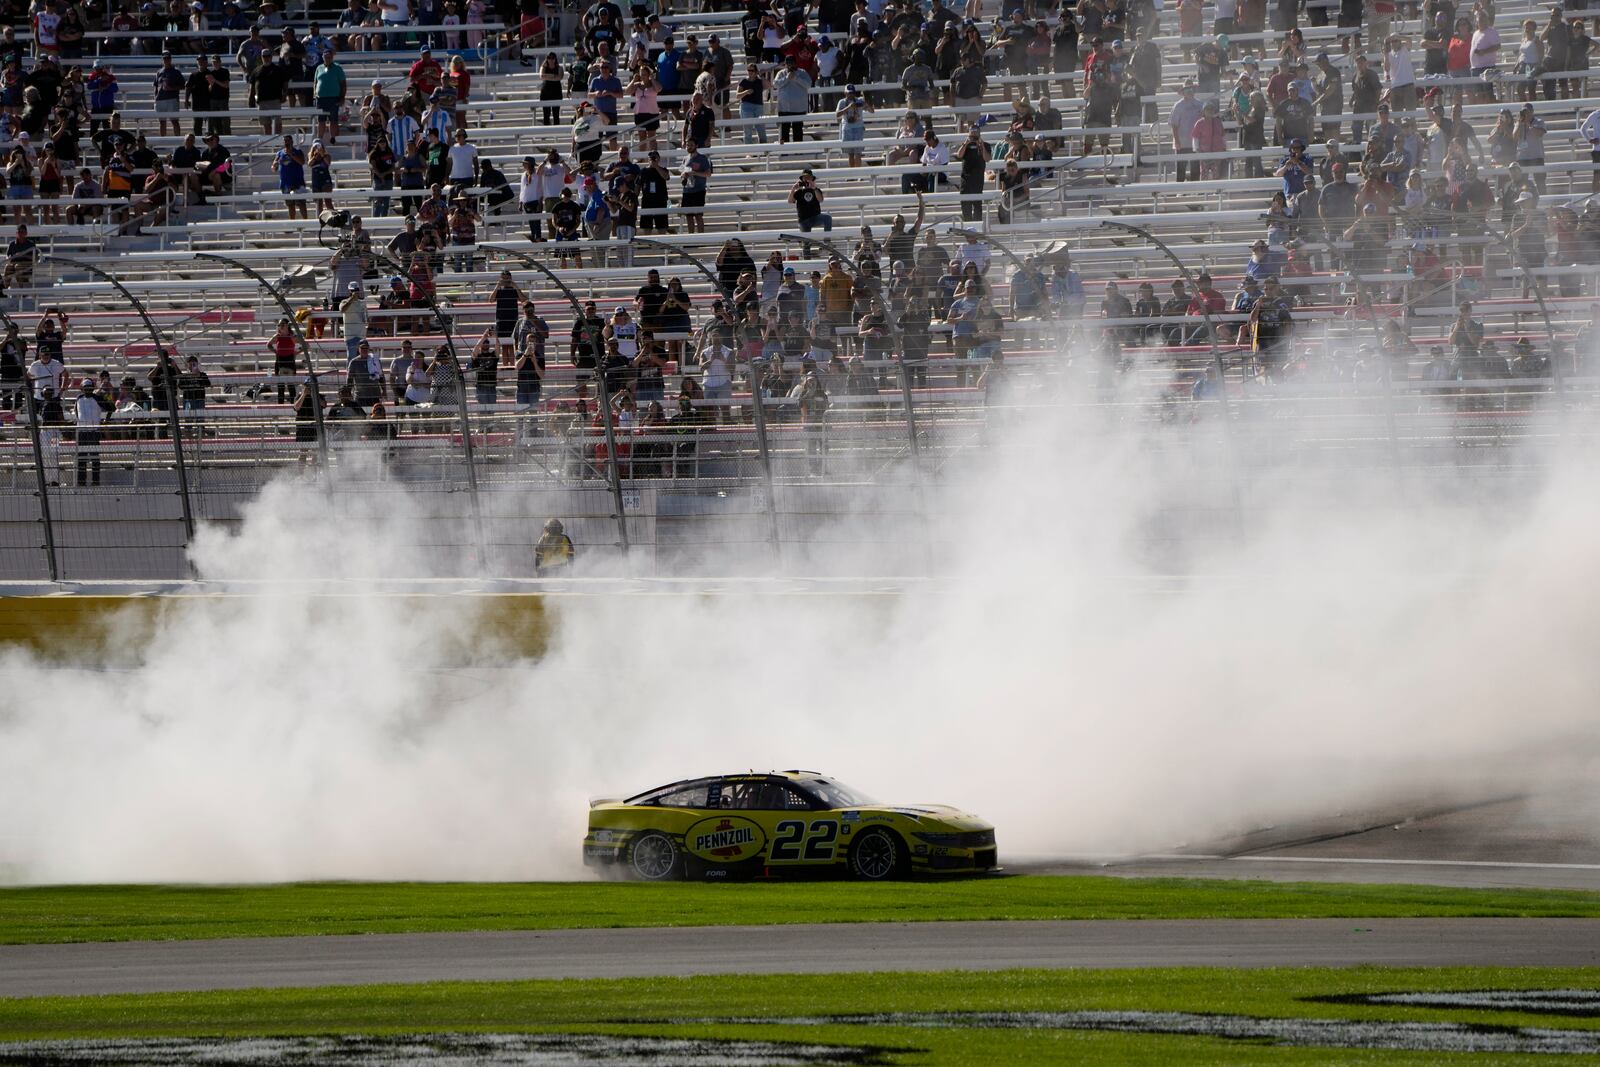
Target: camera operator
<point x="352" y="254"/>
<point x="807" y="201"/>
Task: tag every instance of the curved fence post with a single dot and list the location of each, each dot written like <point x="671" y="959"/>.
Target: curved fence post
<point x="305" y="344"/>
<point x="169" y="381"/>
<point x="607" y="416"/>
<point x="465" y="420"/>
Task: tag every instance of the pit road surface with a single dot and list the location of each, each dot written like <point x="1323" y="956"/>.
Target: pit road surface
<point x="144" y="966"/>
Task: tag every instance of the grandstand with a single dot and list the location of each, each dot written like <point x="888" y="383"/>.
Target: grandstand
<point x="1077" y="225"/>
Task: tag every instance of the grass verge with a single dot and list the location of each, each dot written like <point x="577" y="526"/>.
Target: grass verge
<point x="659" y="1006"/>
<point x="131" y="913"/>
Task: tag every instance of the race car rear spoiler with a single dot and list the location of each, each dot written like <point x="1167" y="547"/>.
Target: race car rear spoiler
<point x="595" y="802"/>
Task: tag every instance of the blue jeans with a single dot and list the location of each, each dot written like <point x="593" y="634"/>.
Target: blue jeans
<point x="758" y="129"/>
<point x="824" y="220"/>
<point x="486" y="394"/>
<point x="350" y="346"/>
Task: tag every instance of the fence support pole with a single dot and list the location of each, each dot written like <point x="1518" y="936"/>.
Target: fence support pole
<point x="461" y="389"/>
<point x="305" y="345"/>
<point x="168" y="373"/>
<point x="43" y="484"/>
<point x="916" y="462"/>
<point x="606" y="414"/>
<point x="759" y="408"/>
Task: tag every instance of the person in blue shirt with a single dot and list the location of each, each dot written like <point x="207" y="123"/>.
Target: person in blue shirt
<point x="604" y="89"/>
<point x="696" y="171"/>
<point x="103" y="90"/>
<point x="1294" y="169"/>
<point x="290" y="165"/>
<point x="1263" y="262"/>
<point x="1244" y="302"/>
<point x="667" y="72"/>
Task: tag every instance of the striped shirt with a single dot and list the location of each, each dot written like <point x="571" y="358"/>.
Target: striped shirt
<point x="402" y="128"/>
<point x="441" y="120"/>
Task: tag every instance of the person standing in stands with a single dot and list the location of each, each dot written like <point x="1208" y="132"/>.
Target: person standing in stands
<point x="283" y="346"/>
<point x="696" y="176"/>
<point x="169" y="84"/>
<point x="791" y="89"/>
<point x="1186" y="111"/>
<point x="90" y="414"/>
<point x="330" y="88"/>
<point x="290" y="166"/>
<point x="353" y="311"/>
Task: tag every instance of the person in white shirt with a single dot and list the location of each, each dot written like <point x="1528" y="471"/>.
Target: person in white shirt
<point x="975" y="252"/>
<point x="1590" y="132"/>
<point x="553" y="175"/>
<point x="89" y="414"/>
<point x="463" y="160"/>
<point x="354" y="312"/>
<point x="1398" y="71"/>
<point x="1186" y="111"/>
<point x="1485" y="54"/>
<point x="935" y="158"/>
<point x="45" y="373"/>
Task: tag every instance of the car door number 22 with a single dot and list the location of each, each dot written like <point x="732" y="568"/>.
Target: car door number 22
<point x="818" y="847"/>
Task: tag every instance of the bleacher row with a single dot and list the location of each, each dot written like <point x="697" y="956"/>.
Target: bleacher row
<point x="211" y="310"/>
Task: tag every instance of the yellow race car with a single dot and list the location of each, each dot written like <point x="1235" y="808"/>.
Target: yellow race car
<point x="759" y="825"/>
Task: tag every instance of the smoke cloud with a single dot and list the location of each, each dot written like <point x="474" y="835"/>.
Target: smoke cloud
<point x="1143" y="633"/>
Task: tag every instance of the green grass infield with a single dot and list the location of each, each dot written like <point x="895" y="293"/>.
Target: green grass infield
<point x="130" y="913"/>
<point x="702" y="1008"/>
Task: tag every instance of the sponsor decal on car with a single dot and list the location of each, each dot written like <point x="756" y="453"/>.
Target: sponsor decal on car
<point x="850" y="816"/>
<point x="729" y="838"/>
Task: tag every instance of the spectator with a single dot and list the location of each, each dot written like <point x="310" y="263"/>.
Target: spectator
<point x="283" y="345"/>
<point x="791" y="88"/>
<point x="1209" y="137"/>
<point x="192" y="385"/>
<point x="330" y="88"/>
<point x="290" y="166"/>
<point x="695" y="177"/>
<point x="169" y="84"/>
<point x="807" y="200"/>
<point x="89" y="416"/>
<point x="1186" y="111"/>
<point x="751" y="91"/>
<point x="353" y="312"/>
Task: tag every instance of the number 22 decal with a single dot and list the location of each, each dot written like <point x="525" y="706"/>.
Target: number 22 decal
<point x="818" y="844"/>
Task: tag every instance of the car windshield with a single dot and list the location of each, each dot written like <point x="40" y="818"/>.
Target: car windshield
<point x="839" y="795"/>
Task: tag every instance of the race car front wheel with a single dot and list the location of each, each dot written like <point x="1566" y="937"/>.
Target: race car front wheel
<point x="877" y="855"/>
<point x="654" y="858"/>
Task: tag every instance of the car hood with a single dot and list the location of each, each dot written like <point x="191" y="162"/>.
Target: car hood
<point x="940" y="816"/>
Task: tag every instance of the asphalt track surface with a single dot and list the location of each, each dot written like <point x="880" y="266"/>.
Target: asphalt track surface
<point x="1547" y="842"/>
<point x="141" y="967"/>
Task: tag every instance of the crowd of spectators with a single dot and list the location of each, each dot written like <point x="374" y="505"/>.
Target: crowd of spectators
<point x="1387" y="168"/>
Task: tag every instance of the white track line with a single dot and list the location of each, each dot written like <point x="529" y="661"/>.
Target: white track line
<point x="1163" y="857"/>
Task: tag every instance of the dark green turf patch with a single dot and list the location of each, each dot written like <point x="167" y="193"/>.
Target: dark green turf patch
<point x="128" y="913"/>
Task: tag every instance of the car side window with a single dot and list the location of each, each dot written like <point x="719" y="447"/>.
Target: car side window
<point x="689" y="796"/>
<point x="780" y="796"/>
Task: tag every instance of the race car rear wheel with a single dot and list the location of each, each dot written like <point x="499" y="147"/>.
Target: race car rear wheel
<point x="877" y="855"/>
<point x="654" y="858"/>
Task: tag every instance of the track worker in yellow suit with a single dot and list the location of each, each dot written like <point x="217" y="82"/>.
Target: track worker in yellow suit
<point x="554" y="553"/>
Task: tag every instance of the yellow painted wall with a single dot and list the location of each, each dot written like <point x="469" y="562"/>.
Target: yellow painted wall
<point x="71" y="626"/>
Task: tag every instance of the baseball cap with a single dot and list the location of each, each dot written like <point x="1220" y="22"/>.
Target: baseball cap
<point x="354" y="287"/>
<point x="88" y="383"/>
